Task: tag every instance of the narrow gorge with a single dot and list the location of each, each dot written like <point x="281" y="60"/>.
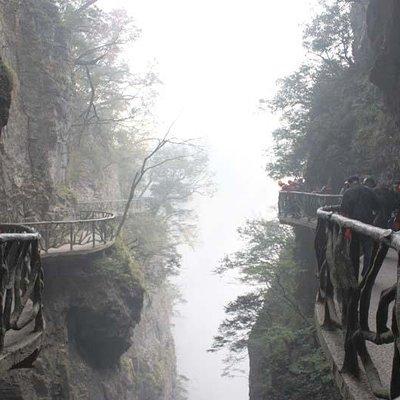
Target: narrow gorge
<point x="199" y="200"/>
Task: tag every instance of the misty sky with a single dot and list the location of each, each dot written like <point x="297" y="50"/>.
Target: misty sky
<point x="216" y="58"/>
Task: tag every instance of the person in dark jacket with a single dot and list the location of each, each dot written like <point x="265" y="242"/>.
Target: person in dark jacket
<point x="389" y="201"/>
<point x="361" y="203"/>
<point x="349" y="182"/>
<point x="369" y="182"/>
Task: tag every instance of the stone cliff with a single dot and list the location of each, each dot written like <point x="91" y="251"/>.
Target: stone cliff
<point x="107" y="337"/>
<point x="33" y="151"/>
<point x="288" y="364"/>
<point x="383" y="33"/>
<point x="91" y="311"/>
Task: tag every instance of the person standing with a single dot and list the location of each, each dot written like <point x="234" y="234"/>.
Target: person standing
<point x="359" y="202"/>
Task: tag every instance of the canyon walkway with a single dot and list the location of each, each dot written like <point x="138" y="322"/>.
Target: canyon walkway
<point x="356" y="318"/>
<point x="23" y="247"/>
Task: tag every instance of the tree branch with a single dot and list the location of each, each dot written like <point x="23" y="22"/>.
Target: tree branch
<point x="85" y="6"/>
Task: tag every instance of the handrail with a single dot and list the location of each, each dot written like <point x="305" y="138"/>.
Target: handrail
<point x="140" y="204"/>
<point x="94" y="229"/>
<point x="312" y="194"/>
<point x="343" y="295"/>
<point x="338" y="256"/>
<point x="85" y="226"/>
<point x="73" y="221"/>
<point x="21" y="274"/>
<point x="21" y="286"/>
<point x="293" y="204"/>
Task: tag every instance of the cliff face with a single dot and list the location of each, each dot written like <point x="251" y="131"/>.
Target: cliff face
<point x="103" y="341"/>
<point x="153" y="351"/>
<point x="35" y="154"/>
<point x="35" y="48"/>
<point x="383" y="29"/>
<point x="90" y="314"/>
<point x="285" y="360"/>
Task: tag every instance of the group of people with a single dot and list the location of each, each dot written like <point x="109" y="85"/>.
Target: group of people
<point x="295" y="185"/>
<point x="299" y="185"/>
<point x="372" y="203"/>
<point x="364" y="199"/>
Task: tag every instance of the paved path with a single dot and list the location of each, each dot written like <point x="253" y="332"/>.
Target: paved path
<point x="78" y="250"/>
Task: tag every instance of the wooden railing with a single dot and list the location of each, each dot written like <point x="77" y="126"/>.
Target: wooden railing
<point x="304" y="205"/>
<point x="21" y="273"/>
<point x="87" y="224"/>
<point x="138" y="205"/>
<point x="363" y="310"/>
<point x="76" y="232"/>
<point x="346" y="298"/>
<point x="21" y="290"/>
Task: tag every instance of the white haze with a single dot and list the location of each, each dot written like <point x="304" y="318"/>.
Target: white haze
<point x="216" y="58"/>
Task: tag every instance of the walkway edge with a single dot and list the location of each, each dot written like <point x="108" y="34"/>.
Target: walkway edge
<point x="332" y="345"/>
<point x="57" y="253"/>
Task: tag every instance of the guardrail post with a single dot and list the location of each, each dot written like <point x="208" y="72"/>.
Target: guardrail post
<point x="94" y="233"/>
<point x="46" y="238"/>
<point x="21" y="282"/>
<point x="71" y="236"/>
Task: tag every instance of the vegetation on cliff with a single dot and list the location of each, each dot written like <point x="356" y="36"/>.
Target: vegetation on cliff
<point x="87" y="138"/>
<point x="110" y="138"/>
<point x="333" y="120"/>
<point x="333" y="124"/>
<point x="273" y="321"/>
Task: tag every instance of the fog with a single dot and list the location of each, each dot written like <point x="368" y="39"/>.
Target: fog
<point x="216" y="58"/>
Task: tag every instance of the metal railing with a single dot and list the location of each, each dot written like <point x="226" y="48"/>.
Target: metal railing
<point x="21" y="286"/>
<point x="304" y="205"/>
<point x="75" y="232"/>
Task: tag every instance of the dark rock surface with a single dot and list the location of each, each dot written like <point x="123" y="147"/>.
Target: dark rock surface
<point x="286" y="377"/>
<point x="383" y="28"/>
<point x="90" y="320"/>
<point x="33" y="145"/>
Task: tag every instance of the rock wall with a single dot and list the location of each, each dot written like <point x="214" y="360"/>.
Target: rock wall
<point x="105" y="338"/>
<point x="156" y="369"/>
<point x="35" y="153"/>
<point x="35" y="47"/>
<point x="383" y="30"/>
<point x="288" y="364"/>
<point x="91" y="312"/>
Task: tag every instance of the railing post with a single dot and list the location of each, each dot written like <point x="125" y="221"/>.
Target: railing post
<point x="21" y="283"/>
<point x="71" y="236"/>
<point x="46" y="238"/>
<point x="4" y="272"/>
<point x="94" y="233"/>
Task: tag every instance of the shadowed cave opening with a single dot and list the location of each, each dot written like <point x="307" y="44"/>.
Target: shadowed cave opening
<point x="95" y="337"/>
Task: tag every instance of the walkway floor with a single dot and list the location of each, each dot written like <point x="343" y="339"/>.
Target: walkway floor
<point x="65" y="250"/>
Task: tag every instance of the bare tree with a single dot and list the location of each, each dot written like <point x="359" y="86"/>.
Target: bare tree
<point x="146" y="167"/>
